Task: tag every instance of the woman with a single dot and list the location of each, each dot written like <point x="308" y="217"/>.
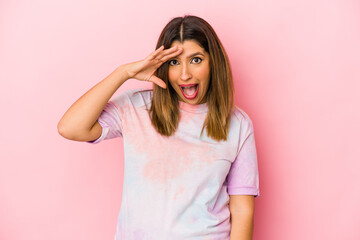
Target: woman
<point x="179" y="183"/>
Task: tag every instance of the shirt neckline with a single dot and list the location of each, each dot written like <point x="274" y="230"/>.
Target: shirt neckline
<point x="193" y="107"/>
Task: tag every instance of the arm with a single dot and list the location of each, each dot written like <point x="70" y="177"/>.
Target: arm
<point x="80" y="121"/>
<point x="241" y="217"/>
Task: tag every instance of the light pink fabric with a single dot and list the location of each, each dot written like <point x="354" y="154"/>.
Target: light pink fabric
<point x="178" y="187"/>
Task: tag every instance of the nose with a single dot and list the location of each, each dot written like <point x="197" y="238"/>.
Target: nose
<point x="185" y="73"/>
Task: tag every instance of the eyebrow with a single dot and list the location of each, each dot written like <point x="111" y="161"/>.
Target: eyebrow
<point x="194" y="54"/>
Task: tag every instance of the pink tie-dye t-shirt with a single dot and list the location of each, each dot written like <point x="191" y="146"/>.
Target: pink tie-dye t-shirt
<point x="178" y="187"/>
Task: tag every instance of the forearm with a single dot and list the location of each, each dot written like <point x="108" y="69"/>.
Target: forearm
<point x="242" y="226"/>
<point x="82" y="114"/>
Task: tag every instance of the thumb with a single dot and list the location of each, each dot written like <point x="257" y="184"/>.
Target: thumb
<point x="157" y="81"/>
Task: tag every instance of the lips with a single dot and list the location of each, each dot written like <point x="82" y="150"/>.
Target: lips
<point x="188" y="85"/>
<point x="189" y="93"/>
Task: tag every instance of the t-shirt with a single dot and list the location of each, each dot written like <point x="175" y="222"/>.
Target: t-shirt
<point x="178" y="187"/>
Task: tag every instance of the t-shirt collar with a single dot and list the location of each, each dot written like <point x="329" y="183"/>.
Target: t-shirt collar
<point x="193" y="107"/>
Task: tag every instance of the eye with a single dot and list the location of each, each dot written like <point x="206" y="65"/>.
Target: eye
<point x="197" y="60"/>
<point x="172" y="62"/>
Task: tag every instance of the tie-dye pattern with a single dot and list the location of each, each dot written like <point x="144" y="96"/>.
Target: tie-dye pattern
<point x="178" y="187"/>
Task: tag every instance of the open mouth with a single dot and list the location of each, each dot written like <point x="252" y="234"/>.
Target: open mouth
<point x="190" y="91"/>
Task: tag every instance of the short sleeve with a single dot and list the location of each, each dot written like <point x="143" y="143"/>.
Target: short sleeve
<point x="110" y="121"/>
<point x="243" y="176"/>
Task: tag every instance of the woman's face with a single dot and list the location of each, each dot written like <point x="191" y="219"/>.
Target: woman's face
<point x="189" y="72"/>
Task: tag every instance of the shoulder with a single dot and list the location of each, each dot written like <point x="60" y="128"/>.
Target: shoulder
<point x="242" y="118"/>
<point x="244" y="125"/>
<point x="241" y="115"/>
<point x="134" y="97"/>
<point x="140" y="93"/>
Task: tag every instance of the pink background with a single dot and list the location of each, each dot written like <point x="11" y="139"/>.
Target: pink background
<point x="296" y="68"/>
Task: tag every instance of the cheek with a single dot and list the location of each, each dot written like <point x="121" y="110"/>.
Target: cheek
<point x="203" y="73"/>
<point x="172" y="74"/>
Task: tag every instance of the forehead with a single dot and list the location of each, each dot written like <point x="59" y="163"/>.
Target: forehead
<point x="189" y="45"/>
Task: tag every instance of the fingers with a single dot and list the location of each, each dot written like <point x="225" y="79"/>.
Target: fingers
<point x="159" y="55"/>
<point x="153" y="54"/>
<point x="157" y="81"/>
<point x="170" y="51"/>
<point x="171" y="55"/>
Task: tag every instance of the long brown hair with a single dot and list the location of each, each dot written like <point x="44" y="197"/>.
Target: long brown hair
<point x="220" y="94"/>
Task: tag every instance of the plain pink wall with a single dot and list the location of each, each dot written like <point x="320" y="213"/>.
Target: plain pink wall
<point x="296" y="67"/>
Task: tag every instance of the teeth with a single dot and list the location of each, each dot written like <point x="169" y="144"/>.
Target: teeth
<point x="189" y="86"/>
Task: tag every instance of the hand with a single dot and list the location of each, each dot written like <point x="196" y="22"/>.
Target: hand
<point x="143" y="70"/>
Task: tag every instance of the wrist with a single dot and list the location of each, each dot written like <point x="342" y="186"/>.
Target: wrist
<point x="126" y="71"/>
<point x="123" y="72"/>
